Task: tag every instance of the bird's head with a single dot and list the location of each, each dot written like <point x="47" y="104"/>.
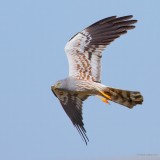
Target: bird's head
<point x="57" y="85"/>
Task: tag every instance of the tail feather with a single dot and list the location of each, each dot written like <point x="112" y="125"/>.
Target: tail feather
<point x="124" y="97"/>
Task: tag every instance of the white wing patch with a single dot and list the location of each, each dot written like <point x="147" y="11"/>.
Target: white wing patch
<point x="84" y="62"/>
<point x="78" y="42"/>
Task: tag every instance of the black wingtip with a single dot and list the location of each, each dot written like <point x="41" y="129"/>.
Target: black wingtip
<point x="82" y="133"/>
<point x="126" y="17"/>
<point x="129" y="16"/>
<point x="104" y="20"/>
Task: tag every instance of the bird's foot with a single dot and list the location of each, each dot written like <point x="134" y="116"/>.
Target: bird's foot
<point x="103" y="99"/>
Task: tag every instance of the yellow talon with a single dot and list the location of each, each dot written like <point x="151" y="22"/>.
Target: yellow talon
<point x="103" y="99"/>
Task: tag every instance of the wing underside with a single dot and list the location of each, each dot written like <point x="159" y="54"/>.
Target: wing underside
<point x="84" y="50"/>
<point x="72" y="105"/>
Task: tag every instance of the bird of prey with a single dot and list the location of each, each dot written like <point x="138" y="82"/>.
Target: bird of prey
<point x="84" y="53"/>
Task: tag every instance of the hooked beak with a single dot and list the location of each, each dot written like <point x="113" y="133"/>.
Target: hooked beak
<point x="53" y="88"/>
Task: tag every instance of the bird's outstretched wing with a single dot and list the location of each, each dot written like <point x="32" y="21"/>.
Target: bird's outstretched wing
<point x="72" y="105"/>
<point x="84" y="50"/>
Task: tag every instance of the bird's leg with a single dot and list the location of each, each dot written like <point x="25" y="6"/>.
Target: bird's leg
<point x="105" y="95"/>
<point x="103" y="99"/>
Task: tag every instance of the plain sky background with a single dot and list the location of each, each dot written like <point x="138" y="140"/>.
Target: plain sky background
<point x="33" y="125"/>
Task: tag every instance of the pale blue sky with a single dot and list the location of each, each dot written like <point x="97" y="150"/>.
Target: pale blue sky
<point x="33" y="125"/>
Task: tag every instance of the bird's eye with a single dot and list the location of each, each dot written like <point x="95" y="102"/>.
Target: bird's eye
<point x="58" y="84"/>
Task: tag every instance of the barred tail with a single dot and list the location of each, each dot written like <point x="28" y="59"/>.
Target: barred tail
<point x="123" y="97"/>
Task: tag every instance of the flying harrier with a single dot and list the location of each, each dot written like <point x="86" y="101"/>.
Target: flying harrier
<point x="84" y="53"/>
